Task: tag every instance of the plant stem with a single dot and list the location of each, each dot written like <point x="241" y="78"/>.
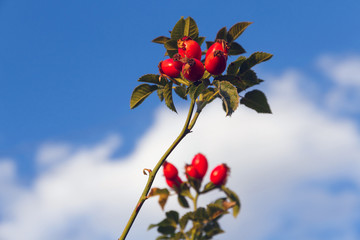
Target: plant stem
<point x="186" y="129"/>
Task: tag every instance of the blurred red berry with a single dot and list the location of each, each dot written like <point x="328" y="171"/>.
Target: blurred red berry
<point x="219" y="174"/>
<point x="174" y="183"/>
<point x="200" y="164"/>
<point x="191" y="171"/>
<point x="170" y="171"/>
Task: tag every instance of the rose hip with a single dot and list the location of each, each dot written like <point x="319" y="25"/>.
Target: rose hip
<point x="219" y="174"/>
<point x="169" y="68"/>
<point x="189" y="48"/>
<point x="193" y="69"/>
<point x="170" y="171"/>
<point x="215" y="63"/>
<point x="200" y="164"/>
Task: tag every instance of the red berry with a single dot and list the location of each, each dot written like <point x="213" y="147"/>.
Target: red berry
<point x="168" y="67"/>
<point x="219" y="174"/>
<point x="215" y="63"/>
<point x="191" y="171"/>
<point x="200" y="164"/>
<point x="175" y="183"/>
<point x="221" y="45"/>
<point x="170" y="171"/>
<point x="193" y="69"/>
<point x="189" y="48"/>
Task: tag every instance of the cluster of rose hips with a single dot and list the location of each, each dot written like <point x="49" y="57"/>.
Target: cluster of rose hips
<point x="188" y="60"/>
<point x="197" y="170"/>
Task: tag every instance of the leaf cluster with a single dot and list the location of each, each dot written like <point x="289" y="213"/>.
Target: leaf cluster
<point x="205" y="220"/>
<point x="228" y="87"/>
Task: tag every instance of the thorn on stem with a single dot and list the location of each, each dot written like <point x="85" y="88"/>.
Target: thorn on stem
<point x="147" y="170"/>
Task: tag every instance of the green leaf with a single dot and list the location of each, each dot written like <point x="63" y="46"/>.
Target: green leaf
<point x="181" y="92"/>
<point x="151" y="226"/>
<point x="208" y="96"/>
<point x="208" y="44"/>
<point x="173" y="215"/>
<point x="256" y="100"/>
<point x="160" y="40"/>
<point x="233" y="197"/>
<point x="163" y="195"/>
<point x="250" y="78"/>
<point x="183" y="81"/>
<point x="184" y="220"/>
<point x="160" y="93"/>
<point x="200" y="40"/>
<point x="200" y="214"/>
<point x="234" y="80"/>
<point x="254" y="59"/>
<point x="153" y="78"/>
<point x="183" y="202"/>
<point x="221" y="33"/>
<point x="236" y="49"/>
<point x="171" y="53"/>
<point x="166" y="229"/>
<point x="206" y="75"/>
<point x="233" y="67"/>
<point x="194" y="183"/>
<point x="236" y="30"/>
<point x="185" y="191"/>
<point x="179" y="235"/>
<point x="191" y="28"/>
<point x="212" y="228"/>
<point x="178" y="30"/>
<point x="171" y="45"/>
<point x="215" y="210"/>
<point x="168" y="96"/>
<point x="196" y="90"/>
<point x="229" y="96"/>
<point x="140" y="93"/>
<point x="209" y="187"/>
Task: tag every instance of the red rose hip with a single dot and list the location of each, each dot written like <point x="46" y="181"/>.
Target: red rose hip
<point x="189" y="48"/>
<point x="191" y="171"/>
<point x="215" y="63"/>
<point x="219" y="174"/>
<point x="200" y="164"/>
<point x="170" y="171"/>
<point x="174" y="183"/>
<point x="221" y="45"/>
<point x="169" y="68"/>
<point x="193" y="70"/>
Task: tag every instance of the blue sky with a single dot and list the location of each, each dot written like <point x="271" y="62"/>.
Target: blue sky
<point x="67" y="70"/>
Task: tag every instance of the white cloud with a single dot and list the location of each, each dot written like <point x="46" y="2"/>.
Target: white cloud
<point x="274" y="160"/>
<point x="51" y="153"/>
<point x="344" y="71"/>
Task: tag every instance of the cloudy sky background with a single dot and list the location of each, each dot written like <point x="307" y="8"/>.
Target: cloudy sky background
<point x="72" y="153"/>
